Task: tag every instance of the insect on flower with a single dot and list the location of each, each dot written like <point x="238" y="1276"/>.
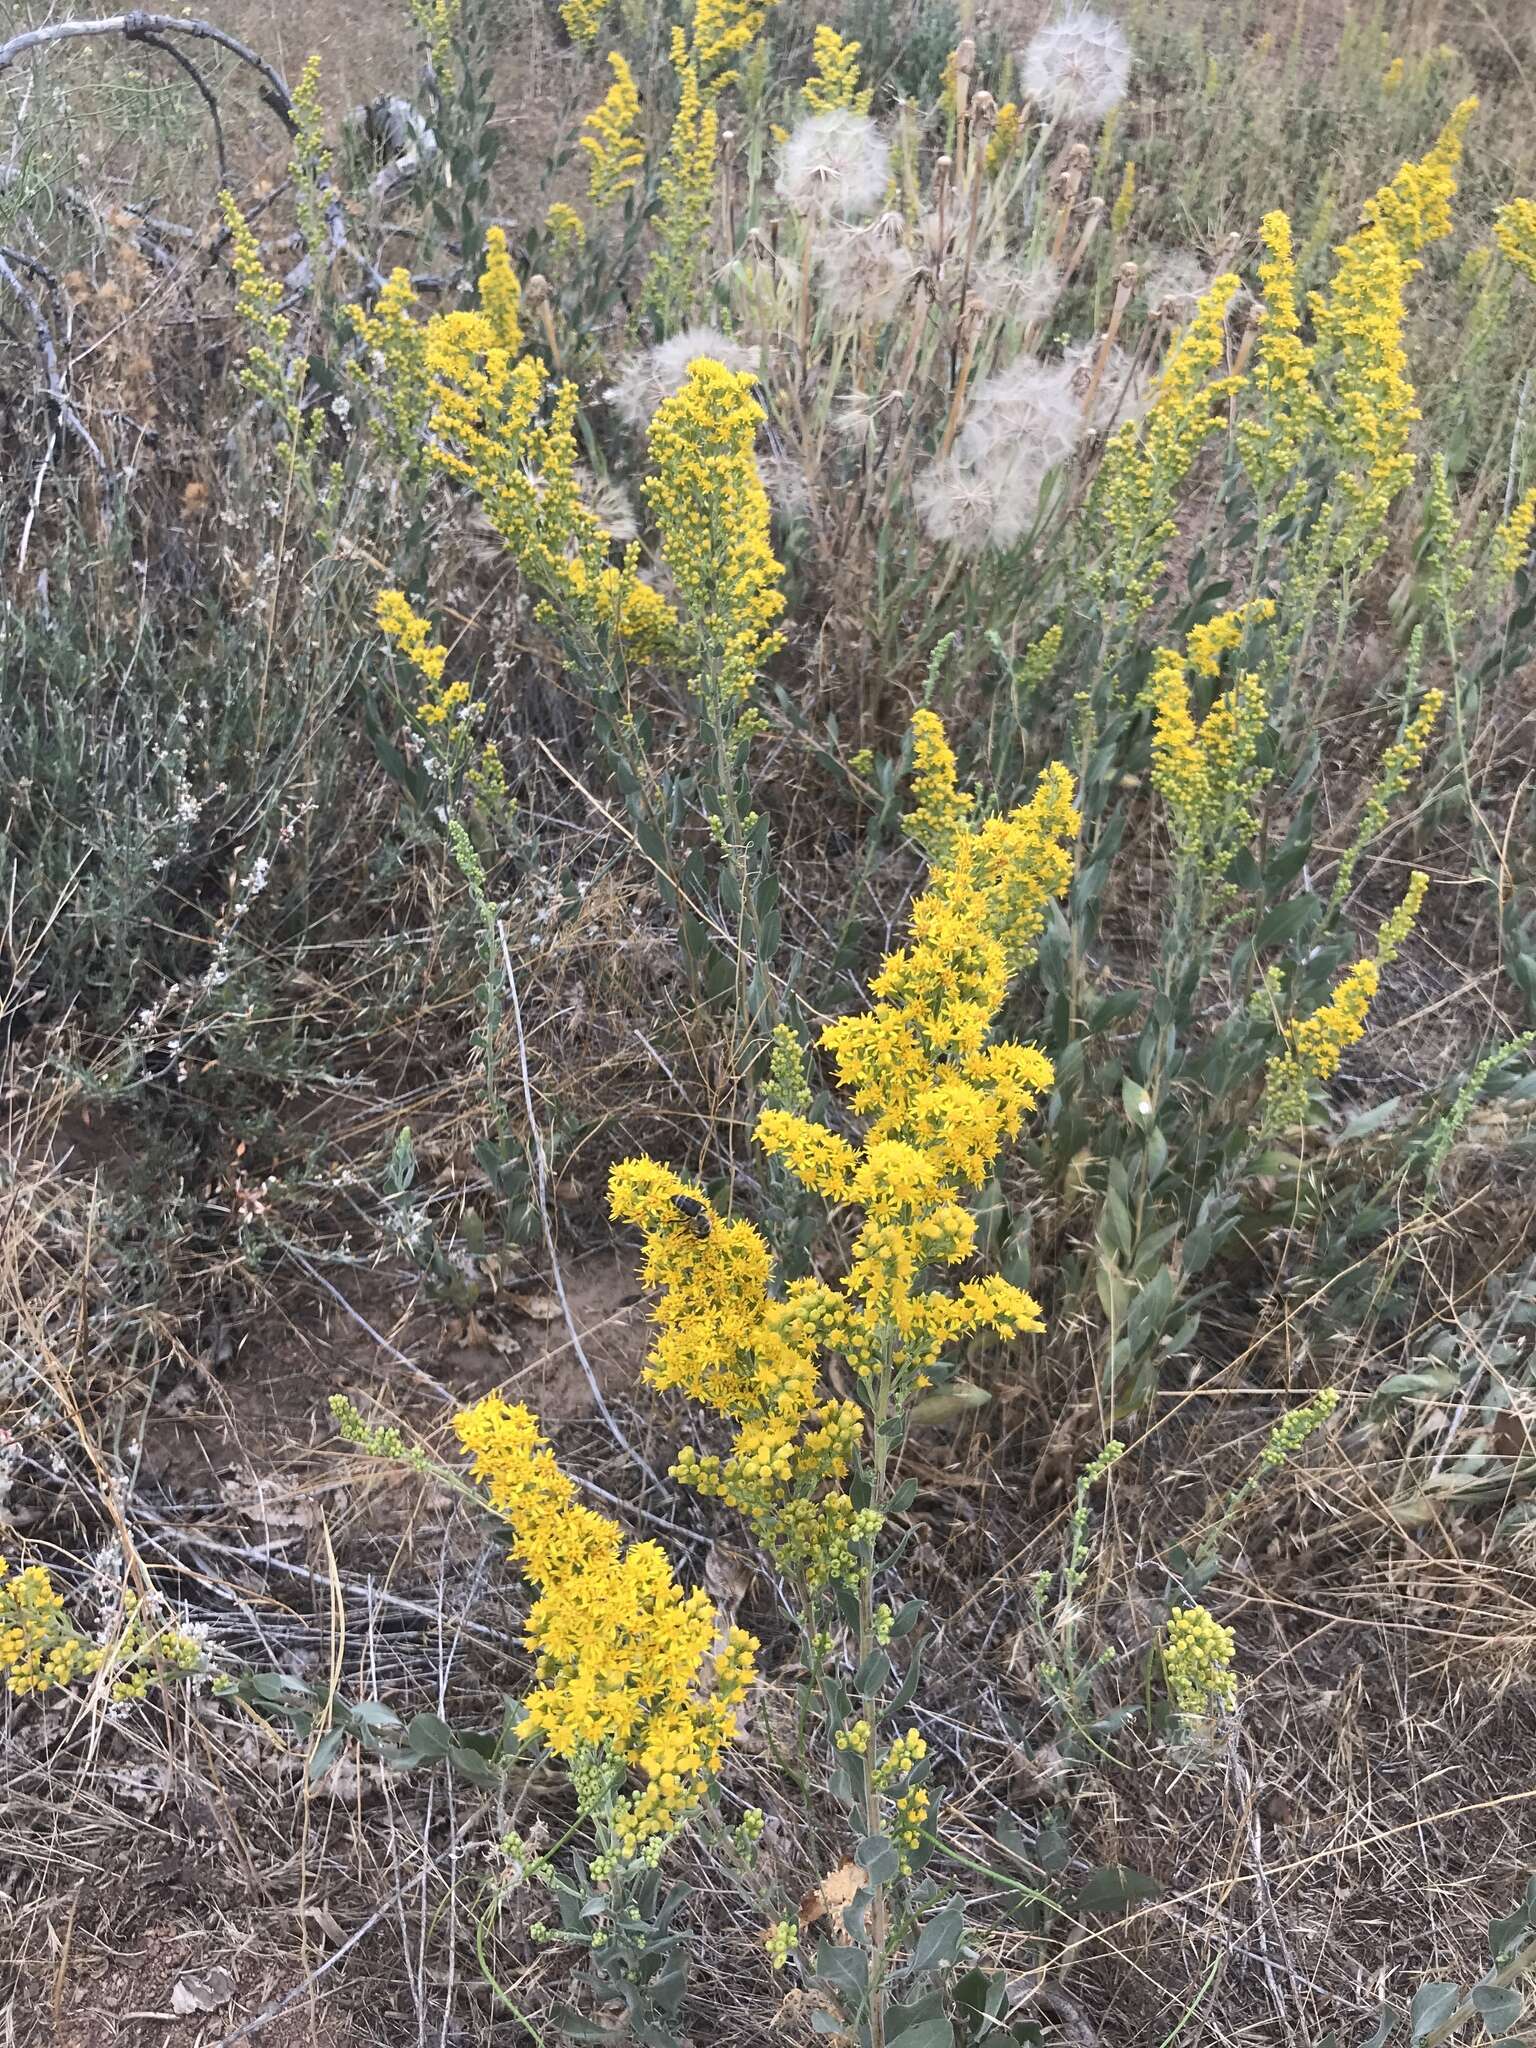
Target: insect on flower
<point x="698" y="1213"/>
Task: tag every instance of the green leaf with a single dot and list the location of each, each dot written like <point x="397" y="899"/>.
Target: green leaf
<point x="325" y="1753"/>
<point x="1108" y="1889"/>
<point x="1503" y="1935"/>
<point x="1432" y="2006"/>
<point x="1498" y="2005"/>
<point x="926" y="2034"/>
<point x="948" y="1407"/>
<point x="1386" y="2024"/>
<point x="1140" y="1109"/>
<point x="1369" y="1120"/>
<point x="939" y="1942"/>
<point x="880" y="1857"/>
<point x="429" y="1735"/>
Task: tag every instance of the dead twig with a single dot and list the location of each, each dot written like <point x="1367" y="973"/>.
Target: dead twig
<point x="138" y="25"/>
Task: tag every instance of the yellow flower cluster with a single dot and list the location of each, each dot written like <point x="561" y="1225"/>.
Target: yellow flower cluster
<point x="1125" y="201"/>
<point x="908" y="1820"/>
<point x="257" y="298"/>
<point x="565" y="226"/>
<point x="1514" y="229"/>
<point x="713" y="519"/>
<point x="615" y="152"/>
<point x="583" y="19"/>
<point x="1143" y="467"/>
<point x="409" y="358"/>
<point x="940" y="1102"/>
<point x="1293" y="1430"/>
<point x="446" y="712"/>
<point x="1272" y="443"/>
<point x="1415" y="209"/>
<point x="39" y="1644"/>
<point x="622" y="1652"/>
<point x="1005" y="138"/>
<point x="1197" y="1662"/>
<point x="1512" y="536"/>
<point x="492" y="430"/>
<point x="723" y="32"/>
<point x="1399" y="765"/>
<point x="1359" y="326"/>
<point x="436" y="21"/>
<point x="835" y="81"/>
<point x="686" y="191"/>
<point x="1208" y="772"/>
<point x="1319" y="1042"/>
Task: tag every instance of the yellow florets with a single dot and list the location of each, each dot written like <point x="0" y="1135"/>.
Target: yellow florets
<point x="1197" y="1662"/>
<point x="565" y="226"/>
<point x="39" y="1644"/>
<point x="1317" y="1045"/>
<point x="1208" y="773"/>
<point x="686" y="190"/>
<point x="713" y="516"/>
<point x="1143" y="466"/>
<point x="1514" y="230"/>
<point x="615" y="152"/>
<point x="1006" y="135"/>
<point x="583" y="19"/>
<point x="941" y="1100"/>
<point x="1512" y="536"/>
<point x="621" y="1651"/>
<point x="835" y="80"/>
<point x="723" y="33"/>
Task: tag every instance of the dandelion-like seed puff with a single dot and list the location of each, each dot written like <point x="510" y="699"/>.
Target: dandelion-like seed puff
<point x="657" y="373"/>
<point x="1078" y="66"/>
<point x="835" y="163"/>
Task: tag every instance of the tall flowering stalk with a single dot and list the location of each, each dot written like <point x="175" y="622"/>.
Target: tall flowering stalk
<point x="1208" y="772"/>
<point x="935" y="1099"/>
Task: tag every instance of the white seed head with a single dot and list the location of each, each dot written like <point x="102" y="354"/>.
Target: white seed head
<point x="1121" y="392"/>
<point x="864" y="272"/>
<point x="835" y="163"/>
<point x="1010" y="293"/>
<point x="1077" y="66"/>
<point x="1173" y="285"/>
<point x="655" y="373"/>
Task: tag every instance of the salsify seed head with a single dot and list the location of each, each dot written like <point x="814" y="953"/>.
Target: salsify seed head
<point x="836" y="163"/>
<point x="1078" y="66"/>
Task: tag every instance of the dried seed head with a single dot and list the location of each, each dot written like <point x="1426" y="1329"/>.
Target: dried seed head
<point x="1077" y="66"/>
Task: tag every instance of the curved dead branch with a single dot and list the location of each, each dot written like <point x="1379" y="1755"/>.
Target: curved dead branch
<point x="139" y="25"/>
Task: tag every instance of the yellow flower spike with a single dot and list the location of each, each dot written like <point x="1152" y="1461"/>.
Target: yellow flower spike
<point x="615" y="152"/>
<point x="411" y="633"/>
<point x="1415" y="209"/>
<point x="835" y="80"/>
<point x="1514" y="230"/>
<point x="1144" y="465"/>
<point x="1512" y="536"/>
<point x="687" y="189"/>
<point x="500" y="294"/>
<point x="583" y="19"/>
<point x="436" y="21"/>
<point x="723" y="32"/>
<point x="1399" y="765"/>
<point x="1006" y="135"/>
<point x="941" y="1103"/>
<point x="1125" y="201"/>
<point x="1318" y="1043"/>
<point x="1208" y="773"/>
<point x="622" y="1653"/>
<point x="1197" y="1662"/>
<point x="1273" y="442"/>
<point x="712" y="514"/>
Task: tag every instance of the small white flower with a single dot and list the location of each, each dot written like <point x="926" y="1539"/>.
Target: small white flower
<point x="835" y="163"/>
<point x="1077" y="66"/>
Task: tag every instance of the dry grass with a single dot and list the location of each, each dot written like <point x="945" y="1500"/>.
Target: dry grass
<point x="166" y="1352"/>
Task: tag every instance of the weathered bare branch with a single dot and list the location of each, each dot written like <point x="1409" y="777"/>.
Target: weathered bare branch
<point x="139" y="23"/>
<point x="180" y="58"/>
